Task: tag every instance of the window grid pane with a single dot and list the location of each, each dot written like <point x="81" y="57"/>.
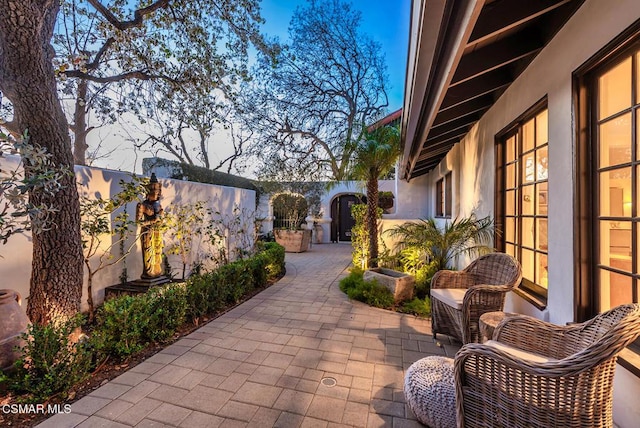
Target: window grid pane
<point x="525" y="196"/>
<point x="618" y="181"/>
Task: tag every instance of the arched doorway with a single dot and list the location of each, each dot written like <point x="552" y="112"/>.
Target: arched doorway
<point x="341" y="219"/>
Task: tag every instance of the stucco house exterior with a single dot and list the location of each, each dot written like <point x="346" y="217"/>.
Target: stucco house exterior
<point x="529" y="111"/>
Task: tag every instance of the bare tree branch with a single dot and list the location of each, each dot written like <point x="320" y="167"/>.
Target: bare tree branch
<point x="138" y="14"/>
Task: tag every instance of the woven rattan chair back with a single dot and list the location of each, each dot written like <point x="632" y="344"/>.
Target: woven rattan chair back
<point x="495" y="269"/>
<point x="487" y="279"/>
<point x="574" y="389"/>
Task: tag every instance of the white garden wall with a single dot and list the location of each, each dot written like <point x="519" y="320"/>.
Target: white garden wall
<point x="15" y="264"/>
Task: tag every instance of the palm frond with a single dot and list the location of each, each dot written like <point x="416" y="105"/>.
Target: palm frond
<point x="467" y="235"/>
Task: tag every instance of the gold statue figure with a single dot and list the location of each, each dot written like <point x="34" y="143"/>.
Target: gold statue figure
<point x="148" y="215"/>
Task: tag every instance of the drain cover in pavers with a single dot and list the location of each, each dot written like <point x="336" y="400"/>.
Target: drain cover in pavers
<point x="328" y="381"/>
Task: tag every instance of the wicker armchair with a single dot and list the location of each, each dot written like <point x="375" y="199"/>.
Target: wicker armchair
<point x="537" y="374"/>
<point x="458" y="298"/>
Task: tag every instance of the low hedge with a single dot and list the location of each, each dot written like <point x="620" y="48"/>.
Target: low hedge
<point x="127" y="324"/>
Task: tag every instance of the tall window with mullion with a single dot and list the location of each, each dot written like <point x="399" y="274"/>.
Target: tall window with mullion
<point x="522" y="196"/>
<point x="444" y="197"/>
<point x="616" y="108"/>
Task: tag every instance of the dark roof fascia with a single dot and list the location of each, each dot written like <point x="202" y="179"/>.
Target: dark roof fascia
<point x="438" y="44"/>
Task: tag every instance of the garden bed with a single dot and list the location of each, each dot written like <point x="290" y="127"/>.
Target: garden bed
<point x="112" y="366"/>
<point x="106" y="372"/>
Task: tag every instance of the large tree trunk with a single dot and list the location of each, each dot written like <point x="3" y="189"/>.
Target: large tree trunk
<point x="28" y="80"/>
<point x="372" y="220"/>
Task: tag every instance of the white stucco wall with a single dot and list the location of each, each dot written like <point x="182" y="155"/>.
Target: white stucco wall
<point x="410" y="203"/>
<point x="15" y="264"/>
<point x="595" y="24"/>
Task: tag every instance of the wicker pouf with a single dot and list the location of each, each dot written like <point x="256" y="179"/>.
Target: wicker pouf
<point x="430" y="391"/>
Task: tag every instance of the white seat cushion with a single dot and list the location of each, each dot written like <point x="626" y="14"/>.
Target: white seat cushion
<point x="449" y="296"/>
<point x="519" y="353"/>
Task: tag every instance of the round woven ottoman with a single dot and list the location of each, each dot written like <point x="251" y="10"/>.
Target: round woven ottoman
<point x="430" y="391"/>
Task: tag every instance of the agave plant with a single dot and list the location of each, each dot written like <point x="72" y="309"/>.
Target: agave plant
<point x="441" y="245"/>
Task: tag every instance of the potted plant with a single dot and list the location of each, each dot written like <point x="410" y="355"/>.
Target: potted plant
<point x="291" y="232"/>
<point x="385" y="200"/>
<point x="293" y="240"/>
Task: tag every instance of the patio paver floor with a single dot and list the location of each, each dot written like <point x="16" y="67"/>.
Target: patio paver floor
<point x="262" y="363"/>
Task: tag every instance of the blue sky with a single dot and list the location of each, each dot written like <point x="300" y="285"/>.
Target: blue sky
<point x="387" y="22"/>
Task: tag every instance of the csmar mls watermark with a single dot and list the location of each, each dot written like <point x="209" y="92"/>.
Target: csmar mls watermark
<point x="35" y="408"/>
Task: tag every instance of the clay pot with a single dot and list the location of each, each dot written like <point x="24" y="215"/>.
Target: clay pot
<point x="13" y="322"/>
<point x="319" y="233"/>
<point x="385" y="202"/>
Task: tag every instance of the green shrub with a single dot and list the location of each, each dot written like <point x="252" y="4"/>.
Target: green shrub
<point x="200" y="297"/>
<point x="234" y="281"/>
<point x="126" y="324"/>
<point x="423" y="276"/>
<point x="258" y="267"/>
<point x="417" y="306"/>
<point x="120" y="326"/>
<point x="50" y="362"/>
<point x="273" y="255"/>
<point x="369" y="292"/>
<point x="352" y="280"/>
<point x="165" y="311"/>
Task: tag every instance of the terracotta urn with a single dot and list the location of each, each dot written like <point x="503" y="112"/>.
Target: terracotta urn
<point x="13" y="322"/>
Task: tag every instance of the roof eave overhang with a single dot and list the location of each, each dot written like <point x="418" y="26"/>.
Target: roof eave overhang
<point x="440" y="30"/>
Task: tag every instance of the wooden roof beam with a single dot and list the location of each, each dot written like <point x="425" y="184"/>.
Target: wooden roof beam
<point x="437" y="135"/>
<point x="503" y="15"/>
<point x="424" y="153"/>
<point x="422" y="169"/>
<point x="459" y="123"/>
<point x="497" y="55"/>
<point x="484" y="84"/>
<point x="453" y="135"/>
<point x="433" y="153"/>
<point x="476" y="105"/>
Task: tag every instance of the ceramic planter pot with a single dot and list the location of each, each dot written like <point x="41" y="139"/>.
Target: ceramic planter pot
<point x="13" y="322"/>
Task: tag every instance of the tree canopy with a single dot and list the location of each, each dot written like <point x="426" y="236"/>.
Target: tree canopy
<point x="110" y="60"/>
<point x="310" y="105"/>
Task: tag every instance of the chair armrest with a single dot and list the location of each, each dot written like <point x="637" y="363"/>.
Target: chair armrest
<point x="477" y="300"/>
<point x="482" y="293"/>
<point x="452" y="279"/>
<point x="533" y="335"/>
<point x="481" y="357"/>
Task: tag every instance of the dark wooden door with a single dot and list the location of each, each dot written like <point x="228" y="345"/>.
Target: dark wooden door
<point x="345" y="220"/>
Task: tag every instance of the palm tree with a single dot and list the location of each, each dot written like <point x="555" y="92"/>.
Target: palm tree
<point x="375" y="157"/>
<point x="468" y="235"/>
